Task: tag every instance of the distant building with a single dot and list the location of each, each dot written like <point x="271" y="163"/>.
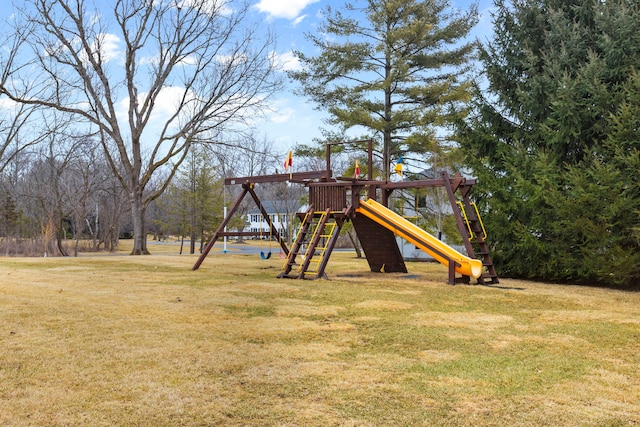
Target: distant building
<point x="281" y="217"/>
<point x="424" y="203"/>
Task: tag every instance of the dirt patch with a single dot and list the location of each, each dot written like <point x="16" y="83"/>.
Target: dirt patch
<point x="481" y="408"/>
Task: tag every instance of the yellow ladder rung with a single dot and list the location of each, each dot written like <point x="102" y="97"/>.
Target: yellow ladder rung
<point x="468" y="223"/>
<point x="465" y="217"/>
<point x="484" y="232"/>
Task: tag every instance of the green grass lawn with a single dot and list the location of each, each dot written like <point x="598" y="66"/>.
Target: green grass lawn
<point x="144" y="341"/>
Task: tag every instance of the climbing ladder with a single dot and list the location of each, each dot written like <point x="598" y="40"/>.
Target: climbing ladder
<point x="315" y="241"/>
<point x="478" y="235"/>
<point x="472" y="230"/>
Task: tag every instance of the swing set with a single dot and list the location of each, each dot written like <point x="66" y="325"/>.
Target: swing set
<point x="248" y="189"/>
<point x="268" y="254"/>
<point x="336" y="200"/>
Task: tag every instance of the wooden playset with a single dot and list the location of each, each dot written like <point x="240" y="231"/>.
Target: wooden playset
<point x="335" y="200"/>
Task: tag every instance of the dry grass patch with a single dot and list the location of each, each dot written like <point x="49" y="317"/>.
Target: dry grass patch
<point x="384" y="305"/>
<point x="437" y="356"/>
<point x="460" y="320"/>
<point x="581" y="316"/>
<point x="118" y="340"/>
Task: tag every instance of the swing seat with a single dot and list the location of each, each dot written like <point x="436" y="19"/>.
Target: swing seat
<point x="267" y="256"/>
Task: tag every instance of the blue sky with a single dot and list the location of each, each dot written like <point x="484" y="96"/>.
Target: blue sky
<point x="295" y="120"/>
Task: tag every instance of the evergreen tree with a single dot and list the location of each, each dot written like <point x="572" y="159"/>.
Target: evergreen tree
<point x="554" y="140"/>
<point x="193" y="205"/>
<point x="397" y="68"/>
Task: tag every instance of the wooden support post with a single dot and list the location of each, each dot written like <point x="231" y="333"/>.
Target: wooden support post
<point x="452" y="273"/>
<point x="220" y="229"/>
<point x="456" y="213"/>
<point x="372" y="190"/>
<point x="247" y="188"/>
<point x="263" y="211"/>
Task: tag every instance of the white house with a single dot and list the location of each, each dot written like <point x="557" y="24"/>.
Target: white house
<point x="282" y="219"/>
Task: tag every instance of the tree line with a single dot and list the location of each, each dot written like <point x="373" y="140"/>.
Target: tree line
<point x="60" y="197"/>
<point x="148" y="80"/>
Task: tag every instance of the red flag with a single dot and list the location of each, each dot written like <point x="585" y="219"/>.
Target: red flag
<point x="288" y="162"/>
<point x="356" y="173"/>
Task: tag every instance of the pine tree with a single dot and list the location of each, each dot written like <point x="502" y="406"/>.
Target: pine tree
<point x="397" y="69"/>
<point x="193" y="203"/>
<point x="554" y="140"/>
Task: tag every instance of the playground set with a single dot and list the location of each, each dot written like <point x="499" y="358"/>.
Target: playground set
<point x="336" y="200"/>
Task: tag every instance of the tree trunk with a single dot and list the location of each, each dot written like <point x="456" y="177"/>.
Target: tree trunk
<point x="59" y="240"/>
<point x="192" y="243"/>
<point x="139" y="230"/>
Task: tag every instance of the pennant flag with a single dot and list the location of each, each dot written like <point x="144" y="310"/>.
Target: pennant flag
<point x="356" y="173"/>
<point x="398" y="168"/>
<point x="288" y="163"/>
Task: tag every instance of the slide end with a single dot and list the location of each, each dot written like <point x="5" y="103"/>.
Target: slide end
<point x="476" y="268"/>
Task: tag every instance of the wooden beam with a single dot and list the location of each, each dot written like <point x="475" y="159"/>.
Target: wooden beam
<point x="424" y="183"/>
<point x="241" y="234"/>
<point x="420" y="183"/>
<point x="281" y="177"/>
<point x="265" y="215"/>
<point x="221" y="227"/>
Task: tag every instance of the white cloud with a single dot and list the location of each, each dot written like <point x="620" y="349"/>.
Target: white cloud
<point x="282" y="115"/>
<point x="288" y="9"/>
<point x="285" y="61"/>
<point x="154" y="60"/>
<point x="291" y="120"/>
<point x="7" y="104"/>
<point x="166" y="104"/>
<point x="108" y="44"/>
<point x="298" y="20"/>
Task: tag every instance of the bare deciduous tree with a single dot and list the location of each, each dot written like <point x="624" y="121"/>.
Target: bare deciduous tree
<point x="152" y="77"/>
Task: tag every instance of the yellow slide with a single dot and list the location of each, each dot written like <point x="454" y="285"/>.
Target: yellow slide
<point x="423" y="240"/>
